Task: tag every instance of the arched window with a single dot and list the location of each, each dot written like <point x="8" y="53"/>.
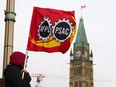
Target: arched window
<point x="76" y="84"/>
<point x="80" y="84"/>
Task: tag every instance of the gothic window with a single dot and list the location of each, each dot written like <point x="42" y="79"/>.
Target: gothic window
<point x="74" y="71"/>
<point x="87" y="84"/>
<point x="80" y="84"/>
<point x="77" y="71"/>
<point x="76" y="84"/>
<point x="87" y="72"/>
<point x="70" y="68"/>
<point x="80" y="71"/>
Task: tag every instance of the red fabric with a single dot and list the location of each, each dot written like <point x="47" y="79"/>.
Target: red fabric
<point x="34" y="41"/>
<point x="17" y="58"/>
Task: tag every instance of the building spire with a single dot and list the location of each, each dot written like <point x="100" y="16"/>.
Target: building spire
<point x="81" y="38"/>
<point x="71" y="55"/>
<point x="71" y="52"/>
<point x="91" y="55"/>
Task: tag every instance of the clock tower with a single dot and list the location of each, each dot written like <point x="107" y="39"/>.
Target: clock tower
<point x="81" y="63"/>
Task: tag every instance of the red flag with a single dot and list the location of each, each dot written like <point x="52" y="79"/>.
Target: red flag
<point x="84" y="6"/>
<point x="51" y="30"/>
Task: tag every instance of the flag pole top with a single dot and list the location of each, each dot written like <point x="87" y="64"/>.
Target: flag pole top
<point x="82" y="7"/>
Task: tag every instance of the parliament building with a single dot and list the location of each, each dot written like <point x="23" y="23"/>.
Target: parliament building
<point x="81" y="60"/>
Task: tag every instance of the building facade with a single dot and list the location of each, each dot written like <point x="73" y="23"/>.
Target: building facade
<point x="81" y="60"/>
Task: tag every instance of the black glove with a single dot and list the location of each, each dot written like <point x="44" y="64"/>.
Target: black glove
<point x="27" y="77"/>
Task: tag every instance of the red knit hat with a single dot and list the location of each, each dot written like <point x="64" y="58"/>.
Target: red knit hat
<point x="17" y="58"/>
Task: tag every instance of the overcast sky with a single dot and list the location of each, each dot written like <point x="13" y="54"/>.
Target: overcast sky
<point x="100" y="25"/>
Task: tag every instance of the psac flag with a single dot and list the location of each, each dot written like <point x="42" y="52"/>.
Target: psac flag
<point x="51" y="30"/>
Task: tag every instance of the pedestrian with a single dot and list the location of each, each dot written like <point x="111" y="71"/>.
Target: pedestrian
<point x="14" y="70"/>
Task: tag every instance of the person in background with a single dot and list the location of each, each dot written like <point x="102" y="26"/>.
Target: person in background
<point x="14" y="70"/>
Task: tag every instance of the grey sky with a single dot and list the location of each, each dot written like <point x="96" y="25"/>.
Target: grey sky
<point x="99" y="20"/>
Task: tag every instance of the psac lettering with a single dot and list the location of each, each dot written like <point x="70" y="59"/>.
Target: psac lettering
<point x="63" y="31"/>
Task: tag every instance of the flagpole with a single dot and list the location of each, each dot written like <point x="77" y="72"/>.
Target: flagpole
<point x="25" y="62"/>
<point x="82" y="7"/>
<point x="81" y="12"/>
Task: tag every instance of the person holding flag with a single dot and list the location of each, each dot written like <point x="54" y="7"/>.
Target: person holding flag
<point x="13" y="71"/>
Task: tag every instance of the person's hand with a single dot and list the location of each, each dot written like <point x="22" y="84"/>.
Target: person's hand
<point x="25" y="71"/>
<point x="27" y="77"/>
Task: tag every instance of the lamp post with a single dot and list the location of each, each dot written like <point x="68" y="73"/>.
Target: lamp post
<point x="9" y="31"/>
<point x="9" y="34"/>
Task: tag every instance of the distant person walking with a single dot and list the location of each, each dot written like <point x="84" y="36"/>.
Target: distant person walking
<point x="13" y="71"/>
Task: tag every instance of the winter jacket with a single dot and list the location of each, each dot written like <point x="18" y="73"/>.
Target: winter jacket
<point x="13" y="74"/>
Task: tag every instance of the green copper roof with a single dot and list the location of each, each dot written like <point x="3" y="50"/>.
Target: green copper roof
<point x="81" y="38"/>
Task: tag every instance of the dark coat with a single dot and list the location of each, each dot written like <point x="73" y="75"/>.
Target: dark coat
<point x="13" y="74"/>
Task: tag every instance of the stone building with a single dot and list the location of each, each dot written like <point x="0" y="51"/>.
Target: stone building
<point x="81" y="60"/>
